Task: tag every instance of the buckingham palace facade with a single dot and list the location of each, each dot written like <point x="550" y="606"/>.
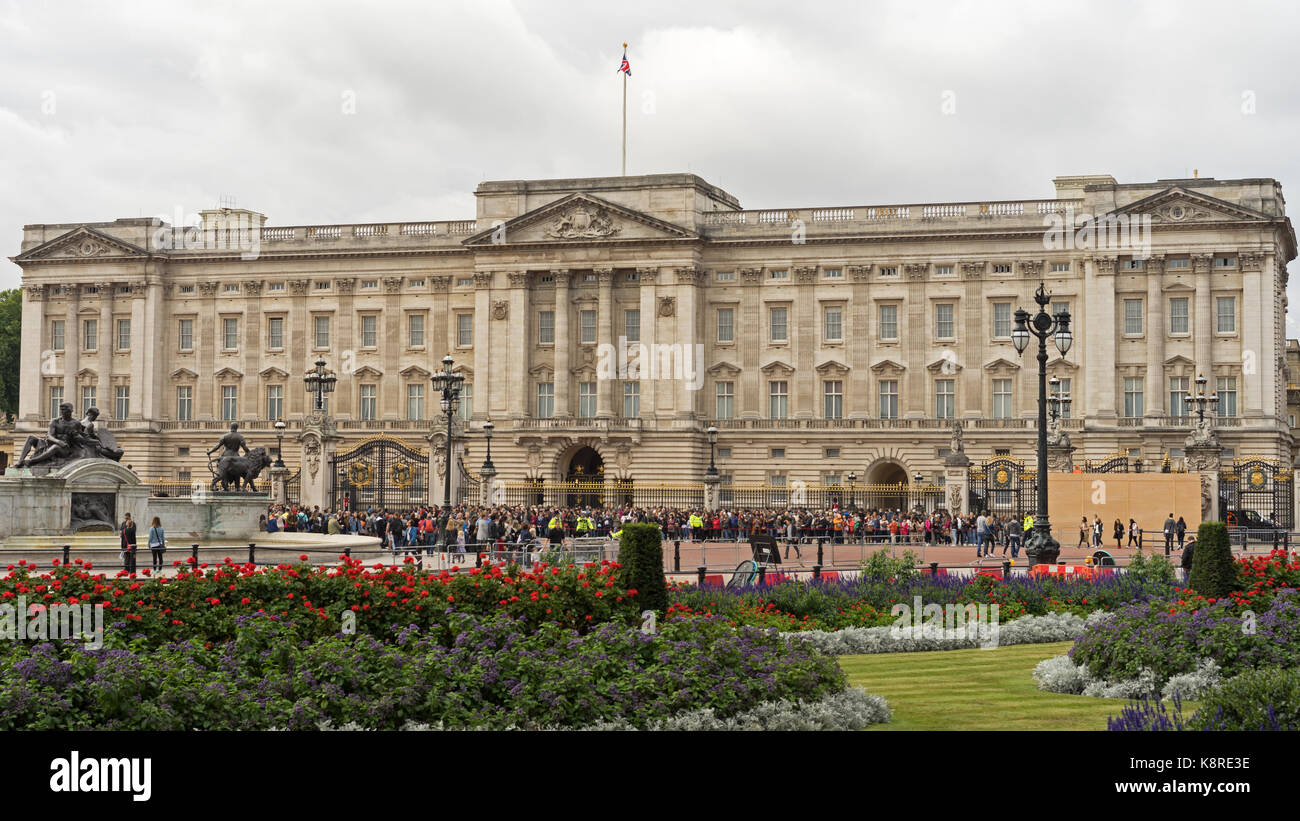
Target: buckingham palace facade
<point x="604" y="324"/>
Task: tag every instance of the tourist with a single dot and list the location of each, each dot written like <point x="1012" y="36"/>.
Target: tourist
<point x="1181" y="530"/>
<point x="1134" y="534"/>
<point x="1169" y="528"/>
<point x="1186" y="563"/>
<point x="1083" y="533"/>
<point x="1119" y="534"/>
<point x="127" y="529"/>
<point x="158" y="543"/>
<point x="1097" y="531"/>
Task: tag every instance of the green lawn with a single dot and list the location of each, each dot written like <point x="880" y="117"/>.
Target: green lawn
<point x="974" y="690"/>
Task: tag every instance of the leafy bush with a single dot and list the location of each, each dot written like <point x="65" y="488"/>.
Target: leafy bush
<point x="1213" y="570"/>
<point x="1169" y="638"/>
<point x="641" y="553"/>
<point x="866" y="640"/>
<point x="494" y="674"/>
<point x="1152" y="568"/>
<point x="881" y="565"/>
<point x="1264" y="699"/>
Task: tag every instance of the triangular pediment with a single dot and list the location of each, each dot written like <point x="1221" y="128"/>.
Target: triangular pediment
<point x="777" y="368"/>
<point x="81" y="244"/>
<point x="1061" y="362"/>
<point x="1177" y="205"/>
<point x="1001" y="364"/>
<point x="228" y="373"/>
<point x="832" y="366"/>
<point x="1177" y="360"/>
<point x="579" y="218"/>
<point x="724" y="369"/>
<point x="542" y="371"/>
<point x="272" y="372"/>
<point x="87" y="373"/>
<point x="944" y="364"/>
<point x="184" y="373"/>
<point x="415" y="372"/>
<point x="887" y="366"/>
<point x="367" y="372"/>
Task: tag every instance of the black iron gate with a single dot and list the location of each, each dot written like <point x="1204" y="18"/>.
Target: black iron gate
<point x="1003" y="487"/>
<point x="381" y="473"/>
<point x="1260" y="485"/>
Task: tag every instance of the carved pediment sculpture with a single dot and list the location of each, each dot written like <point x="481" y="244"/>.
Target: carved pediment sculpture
<point x="582" y="221"/>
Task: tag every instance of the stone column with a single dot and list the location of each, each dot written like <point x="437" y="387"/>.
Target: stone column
<point x="1156" y="387"/>
<point x="605" y="336"/>
<point x="250" y="392"/>
<point x="521" y="344"/>
<point x="318" y="441"/>
<point x="687" y="323"/>
<point x="712" y="485"/>
<point x="1203" y="455"/>
<point x="347" y="400"/>
<point x="280" y="485"/>
<point x="1203" y="319"/>
<point x="389" y="328"/>
<point x="298" y="346"/>
<point x="154" y="336"/>
<point x="482" y="342"/>
<point x="563" y="347"/>
<point x="106" y="395"/>
<point x="438" y="464"/>
<point x="1256" y="335"/>
<point x="805" y="337"/>
<point x="858" y="401"/>
<point x="956" y="473"/>
<point x="1099" y="342"/>
<point x="750" y="324"/>
<point x="71" y="345"/>
<point x="487" y="477"/>
<point x="31" y="387"/>
<point x="648" y="280"/>
<point x="208" y="391"/>
<point x="972" y="335"/>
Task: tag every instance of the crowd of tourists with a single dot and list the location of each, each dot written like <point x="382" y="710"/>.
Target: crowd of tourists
<point x="469" y="526"/>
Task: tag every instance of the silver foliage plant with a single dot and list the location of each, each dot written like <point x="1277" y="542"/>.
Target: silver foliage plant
<point x="850" y="709"/>
<point x="1061" y="675"/>
<point x="1024" y="630"/>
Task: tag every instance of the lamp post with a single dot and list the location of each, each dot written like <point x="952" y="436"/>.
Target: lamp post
<point x="1199" y="401"/>
<point x="279" y="443"/>
<point x="447" y="382"/>
<point x="1040" y="547"/>
<point x="917" y="479"/>
<point x="1058" y="401"/>
<point x="488" y="427"/>
<point x="712" y="433"/>
<point x="320" y="381"/>
<point x="853" y="477"/>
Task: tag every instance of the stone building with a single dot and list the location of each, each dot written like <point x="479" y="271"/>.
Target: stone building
<point x="603" y="324"/>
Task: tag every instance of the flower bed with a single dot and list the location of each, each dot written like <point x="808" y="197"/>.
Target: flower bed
<point x="494" y="673"/>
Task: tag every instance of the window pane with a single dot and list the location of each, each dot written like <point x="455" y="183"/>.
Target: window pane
<point x="124" y="334"/>
<point x="1227" y="312"/>
<point x="778" y="400"/>
<point x="833" y="323"/>
<point x="944" y="398"/>
<point x="1132" y="316"/>
<point x="230" y="334"/>
<point x="369" y="402"/>
<point x="726" y="400"/>
<point x="1226" y="388"/>
<point x="586" y="400"/>
<point x="1133" y="396"/>
<point x="90" y="335"/>
<point x="632" y="324"/>
<point x="833" y="399"/>
<point x="415" y="324"/>
<point x="545" y="400"/>
<point x="369" y="331"/>
<point x="631" y="399"/>
<point x="1001" y="398"/>
<point x="274" y="401"/>
<point x="414" y="401"/>
<point x="726" y="325"/>
<point x="889" y="322"/>
<point x="466" y="411"/>
<point x="943" y="325"/>
<point x="464" y="330"/>
<point x="229" y="402"/>
<point x="588" y="321"/>
<point x="778" y="324"/>
<point x="889" y="399"/>
<point x="123" y="405"/>
<point x="1001" y="319"/>
<point x="184" y="403"/>
<point x="186" y="335"/>
<point x="546" y="327"/>
<point x="1178" y="316"/>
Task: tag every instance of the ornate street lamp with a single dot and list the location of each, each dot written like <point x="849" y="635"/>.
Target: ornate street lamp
<point x="1199" y="401"/>
<point x="853" y="477"/>
<point x="320" y="381"/>
<point x="488" y="427"/>
<point x="1040" y="547"/>
<point x="447" y="382"/>
<point x="713" y="441"/>
<point x="279" y="442"/>
<point x="1058" y="401"/>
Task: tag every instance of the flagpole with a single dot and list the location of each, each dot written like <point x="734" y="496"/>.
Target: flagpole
<point x="624" y="115"/>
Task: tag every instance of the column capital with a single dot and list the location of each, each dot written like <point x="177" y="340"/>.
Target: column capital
<point x="805" y="274"/>
<point x="604" y="275"/>
<point x="1201" y="263"/>
<point x="860" y="273"/>
<point x="518" y="279"/>
<point x="647" y="272"/>
<point x="751" y="276"/>
<point x="1105" y="265"/>
<point x="392" y="285"/>
<point x="689" y="275"/>
<point x="974" y="270"/>
<point x="1031" y="268"/>
<point x="561" y="277"/>
<point x="35" y="293"/>
<point x="440" y="284"/>
<point x="1250" y="261"/>
<point x="253" y="287"/>
<point x="346" y="285"/>
<point x="299" y="286"/>
<point x="209" y="287"/>
<point x="1155" y="264"/>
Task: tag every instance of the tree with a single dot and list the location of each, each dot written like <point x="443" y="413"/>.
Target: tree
<point x="642" y="555"/>
<point x="1213" y="574"/>
<point x="11" y="347"/>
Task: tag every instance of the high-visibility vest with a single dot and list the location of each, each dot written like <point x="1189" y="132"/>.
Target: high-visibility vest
<point x="584" y="524"/>
<point x="554" y="524"/>
<point x="696" y="521"/>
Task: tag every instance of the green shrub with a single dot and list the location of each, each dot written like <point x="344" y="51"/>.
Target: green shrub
<point x="1152" y="567"/>
<point x="641" y="553"/>
<point x="1213" y="571"/>
<point x="1264" y="699"/>
<point x="881" y="565"/>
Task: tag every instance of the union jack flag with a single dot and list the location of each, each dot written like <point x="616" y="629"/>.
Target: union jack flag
<point x="626" y="67"/>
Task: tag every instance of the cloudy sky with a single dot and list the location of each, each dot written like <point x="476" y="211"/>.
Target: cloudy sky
<point x="323" y="112"/>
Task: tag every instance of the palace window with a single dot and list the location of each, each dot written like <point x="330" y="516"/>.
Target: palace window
<point x="1226" y="312"/>
<point x="587" y="320"/>
<point x="229" y="402"/>
<point x="275" y="286"/>
<point x="725" y="400"/>
<point x="726" y="325"/>
<point x="87" y="398"/>
<point x="184" y="403"/>
<point x="56" y="399"/>
<point x="124" y="334"/>
<point x="369" y="402"/>
<point x="467" y="401"/>
<point x="943" y="270"/>
<point x="833" y="399"/>
<point x="1133" y="397"/>
<point x="122" y="402"/>
<point x="943" y="321"/>
<point x="415" y="402"/>
<point x="415" y="330"/>
<point x="1002" y="399"/>
<point x="778" y="399"/>
<point x="545" y="400"/>
<point x="889" y="399"/>
<point x="274" y="334"/>
<point x="833" y="323"/>
<point x="777" y="324"/>
<point x="1060" y="267"/>
<point x="631" y="400"/>
<point x="367" y="284"/>
<point x="1065" y="389"/>
<point x="586" y="400"/>
<point x="546" y="327"/>
<point x="726" y="276"/>
<point x="322" y="328"/>
<point x="1001" y="320"/>
<point x="90" y="335"/>
<point x="1001" y="267"/>
<point x="1179" y="317"/>
<point x="56" y="336"/>
<point x="1133" y="317"/>
<point x="230" y="334"/>
<point x="369" y="331"/>
<point x="275" y="401"/>
<point x="1226" y="387"/>
<point x="779" y="273"/>
<point x="185" y="335"/>
<point x="889" y="322"/>
<point x="1225" y="262"/>
<point x="632" y="325"/>
<point x="1178" y="264"/>
<point x="945" y="398"/>
<point x="1178" y="388"/>
<point x="464" y="330"/>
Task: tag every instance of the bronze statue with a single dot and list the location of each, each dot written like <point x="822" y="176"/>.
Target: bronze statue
<point x="96" y="440"/>
<point x="232" y="468"/>
<point x="64" y="436"/>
